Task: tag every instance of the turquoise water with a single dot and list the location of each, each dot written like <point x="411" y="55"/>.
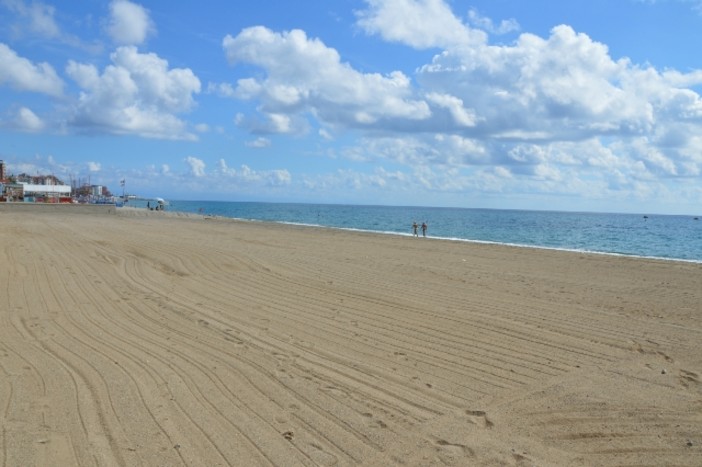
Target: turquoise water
<point x="658" y="236"/>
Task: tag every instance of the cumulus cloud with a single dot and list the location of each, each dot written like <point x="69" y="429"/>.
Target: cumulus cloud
<point x="38" y="18"/>
<point x="259" y="142"/>
<point x="486" y="24"/>
<point x="27" y="120"/>
<point x="137" y="94"/>
<point x="213" y="180"/>
<point x="197" y="166"/>
<point x="557" y="112"/>
<point x="23" y="75"/>
<point x="546" y="87"/>
<point x="541" y="113"/>
<point x="568" y="88"/>
<point x="303" y="75"/>
<point x="267" y="123"/>
<point x="252" y="178"/>
<point x="421" y="24"/>
<point x="460" y="115"/>
<point x="129" y="23"/>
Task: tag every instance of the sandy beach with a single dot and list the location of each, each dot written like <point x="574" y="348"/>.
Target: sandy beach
<point x="152" y="339"/>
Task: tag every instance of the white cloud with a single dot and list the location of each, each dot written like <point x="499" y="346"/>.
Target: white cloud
<point x="24" y="75"/>
<point x="221" y="89"/>
<point x="532" y="115"/>
<point x="418" y="23"/>
<point x="326" y="134"/>
<point x="461" y="116"/>
<point x="259" y="142"/>
<point x="280" y="123"/>
<point x="36" y="18"/>
<point x="563" y="85"/>
<point x="94" y="167"/>
<point x="486" y="24"/>
<point x="27" y="120"/>
<point x="129" y="23"/>
<point x="303" y="75"/>
<point x="555" y="111"/>
<point x="272" y="123"/>
<point x="502" y="172"/>
<point x="137" y="94"/>
<point x="197" y="166"/>
<point x="279" y="177"/>
<point x="247" y="178"/>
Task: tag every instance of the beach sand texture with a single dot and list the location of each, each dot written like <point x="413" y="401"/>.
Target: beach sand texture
<point x="147" y="339"/>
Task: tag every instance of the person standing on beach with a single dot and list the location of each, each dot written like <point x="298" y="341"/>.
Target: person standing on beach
<point x="424" y="229"/>
<point x="414" y="229"/>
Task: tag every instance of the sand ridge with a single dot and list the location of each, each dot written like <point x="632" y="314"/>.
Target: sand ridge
<point x="149" y="338"/>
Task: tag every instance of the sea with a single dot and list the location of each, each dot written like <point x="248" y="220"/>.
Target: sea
<point x="669" y="237"/>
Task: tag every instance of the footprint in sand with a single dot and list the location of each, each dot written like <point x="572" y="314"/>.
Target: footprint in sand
<point x="689" y="378"/>
<point x="320" y="456"/>
<point x="479" y="417"/>
<point x="283" y="364"/>
<point x="637" y="347"/>
<point x="452" y="453"/>
<point x="373" y="422"/>
<point x="335" y="391"/>
<point x="522" y="459"/>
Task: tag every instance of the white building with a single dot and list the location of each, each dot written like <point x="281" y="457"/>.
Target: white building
<point x="46" y="191"/>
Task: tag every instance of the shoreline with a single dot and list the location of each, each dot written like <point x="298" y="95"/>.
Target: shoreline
<point x="399" y="234"/>
<point x="478" y="242"/>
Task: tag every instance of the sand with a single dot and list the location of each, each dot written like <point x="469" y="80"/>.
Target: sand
<point x="151" y="339"/>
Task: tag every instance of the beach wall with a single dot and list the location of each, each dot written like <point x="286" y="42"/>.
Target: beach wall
<point x="58" y="208"/>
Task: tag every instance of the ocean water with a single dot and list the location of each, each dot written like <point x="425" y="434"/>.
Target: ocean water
<point x="656" y="236"/>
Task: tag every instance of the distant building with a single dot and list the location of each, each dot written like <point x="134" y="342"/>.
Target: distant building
<point x="46" y="193"/>
<point x="30" y="188"/>
<point x="48" y="189"/>
<point x="11" y="191"/>
<point x="39" y="179"/>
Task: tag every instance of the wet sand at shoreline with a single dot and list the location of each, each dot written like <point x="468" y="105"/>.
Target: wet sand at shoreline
<point x="151" y="338"/>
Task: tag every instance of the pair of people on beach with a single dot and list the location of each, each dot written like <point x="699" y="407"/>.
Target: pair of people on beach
<point x="415" y="227"/>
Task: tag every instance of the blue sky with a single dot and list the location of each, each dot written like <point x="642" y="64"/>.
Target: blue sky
<point x="529" y="104"/>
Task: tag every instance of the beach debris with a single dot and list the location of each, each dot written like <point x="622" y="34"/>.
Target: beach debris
<point x="689" y="443"/>
<point x="664" y="371"/>
<point x="289" y="435"/>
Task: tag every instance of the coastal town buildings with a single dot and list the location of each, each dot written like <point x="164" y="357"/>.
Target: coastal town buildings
<point x="47" y="189"/>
